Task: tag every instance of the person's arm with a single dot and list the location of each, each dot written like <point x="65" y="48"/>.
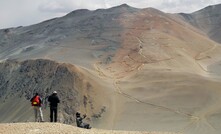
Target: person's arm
<point x="84" y="116"/>
<point x="80" y="119"/>
<point x="49" y="99"/>
<point x="40" y="99"/>
<point x="31" y="99"/>
<point x="58" y="101"/>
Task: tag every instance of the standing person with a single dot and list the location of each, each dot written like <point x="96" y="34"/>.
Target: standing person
<point x="54" y="100"/>
<point x="36" y="102"/>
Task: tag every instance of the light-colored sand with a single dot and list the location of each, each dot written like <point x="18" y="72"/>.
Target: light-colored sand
<point x="56" y="128"/>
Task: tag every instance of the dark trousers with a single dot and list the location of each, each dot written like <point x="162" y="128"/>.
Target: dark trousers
<point x="53" y="114"/>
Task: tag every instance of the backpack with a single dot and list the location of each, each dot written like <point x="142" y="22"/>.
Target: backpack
<point x="36" y="101"/>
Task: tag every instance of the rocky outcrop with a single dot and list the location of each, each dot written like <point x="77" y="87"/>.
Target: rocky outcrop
<point x="23" y="79"/>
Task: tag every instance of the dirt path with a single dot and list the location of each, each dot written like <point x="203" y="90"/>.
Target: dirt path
<point x="118" y="90"/>
<point x="198" y="58"/>
<point x="195" y="119"/>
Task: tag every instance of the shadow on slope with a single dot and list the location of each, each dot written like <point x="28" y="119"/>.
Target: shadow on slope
<point x="76" y="88"/>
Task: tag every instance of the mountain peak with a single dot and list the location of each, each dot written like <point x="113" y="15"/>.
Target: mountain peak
<point x="78" y="12"/>
<point x="124" y="5"/>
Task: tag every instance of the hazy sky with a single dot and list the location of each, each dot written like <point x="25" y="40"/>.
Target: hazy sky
<point x="15" y="13"/>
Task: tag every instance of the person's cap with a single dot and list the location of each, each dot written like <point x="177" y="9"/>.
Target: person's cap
<point x="77" y="114"/>
<point x="55" y="92"/>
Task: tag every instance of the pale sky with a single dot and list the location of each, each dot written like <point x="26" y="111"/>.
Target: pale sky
<point x="15" y="13"/>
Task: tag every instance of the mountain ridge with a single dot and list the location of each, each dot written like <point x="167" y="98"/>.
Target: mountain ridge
<point x="207" y="20"/>
<point x="126" y="68"/>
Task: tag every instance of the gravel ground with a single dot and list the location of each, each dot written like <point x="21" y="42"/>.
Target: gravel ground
<point x="57" y="128"/>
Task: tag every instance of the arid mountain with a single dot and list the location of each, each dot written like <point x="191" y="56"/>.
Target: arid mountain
<point x="127" y="68"/>
<point x="208" y="20"/>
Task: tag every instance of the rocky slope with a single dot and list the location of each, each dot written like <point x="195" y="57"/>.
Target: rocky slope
<point x="20" y="81"/>
<point x="208" y="20"/>
<point x="126" y="68"/>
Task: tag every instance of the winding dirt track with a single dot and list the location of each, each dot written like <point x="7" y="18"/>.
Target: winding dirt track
<point x="194" y="119"/>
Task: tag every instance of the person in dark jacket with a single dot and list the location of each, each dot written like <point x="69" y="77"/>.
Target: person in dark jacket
<point x="54" y="100"/>
<point x="36" y="102"/>
<point x="80" y="123"/>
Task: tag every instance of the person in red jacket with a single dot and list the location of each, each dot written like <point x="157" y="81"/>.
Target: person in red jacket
<point x="36" y="102"/>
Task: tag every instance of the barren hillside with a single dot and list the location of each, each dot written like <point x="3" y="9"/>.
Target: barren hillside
<point x="208" y="20"/>
<point x="20" y="80"/>
<point x="126" y="68"/>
